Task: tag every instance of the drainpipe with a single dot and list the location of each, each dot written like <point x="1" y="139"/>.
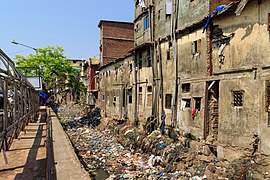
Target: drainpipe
<point x="161" y="77"/>
<point x="175" y="54"/>
<point x="136" y="84"/>
<point x="154" y="93"/>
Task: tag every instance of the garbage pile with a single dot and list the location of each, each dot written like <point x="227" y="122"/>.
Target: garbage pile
<point x="101" y="150"/>
<point x="128" y="153"/>
<point x="91" y="119"/>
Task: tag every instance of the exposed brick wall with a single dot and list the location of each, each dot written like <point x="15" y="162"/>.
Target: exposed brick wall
<point x="113" y="49"/>
<point x="118" y="30"/>
<point x="117" y="40"/>
<point x="92" y="83"/>
<point x="215" y="3"/>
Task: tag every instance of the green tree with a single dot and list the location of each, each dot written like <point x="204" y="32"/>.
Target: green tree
<point x="58" y="76"/>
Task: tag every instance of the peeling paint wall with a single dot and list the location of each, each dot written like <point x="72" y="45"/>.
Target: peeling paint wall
<point x="192" y="64"/>
<point x="245" y="57"/>
<point x="114" y="80"/>
<point x="193" y="71"/>
<point x="192" y="12"/>
<point x="163" y="20"/>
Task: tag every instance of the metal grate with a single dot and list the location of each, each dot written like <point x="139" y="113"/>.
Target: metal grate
<point x="238" y="98"/>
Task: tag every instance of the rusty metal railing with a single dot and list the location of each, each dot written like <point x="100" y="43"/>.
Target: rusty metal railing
<point x="19" y="102"/>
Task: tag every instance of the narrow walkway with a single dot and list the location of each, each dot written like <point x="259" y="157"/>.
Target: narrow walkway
<point x="27" y="155"/>
<point x="67" y="165"/>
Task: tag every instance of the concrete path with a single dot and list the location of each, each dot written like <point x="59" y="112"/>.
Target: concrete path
<point x="27" y="155"/>
<point x="67" y="165"/>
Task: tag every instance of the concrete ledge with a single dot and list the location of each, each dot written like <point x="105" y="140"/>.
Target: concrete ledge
<point x="67" y="164"/>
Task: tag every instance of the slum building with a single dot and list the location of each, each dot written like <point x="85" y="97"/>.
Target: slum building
<point x="240" y="55"/>
<point x="160" y="28"/>
<point x="219" y="62"/>
<point x="88" y="78"/>
<point x="116" y="41"/>
<point x="180" y="67"/>
<point x="198" y="62"/>
<point x="143" y="61"/>
<point x="117" y="80"/>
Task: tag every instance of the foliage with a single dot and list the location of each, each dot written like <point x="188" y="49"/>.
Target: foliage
<point x="55" y="69"/>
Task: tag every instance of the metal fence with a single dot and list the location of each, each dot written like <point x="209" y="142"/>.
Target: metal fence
<point x="19" y="102"/>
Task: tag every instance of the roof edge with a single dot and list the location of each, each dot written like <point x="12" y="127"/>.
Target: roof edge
<point x="112" y="21"/>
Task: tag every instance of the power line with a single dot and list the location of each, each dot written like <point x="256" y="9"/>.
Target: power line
<point x="19" y="51"/>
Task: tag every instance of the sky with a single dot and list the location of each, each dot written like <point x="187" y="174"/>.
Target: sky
<point x="71" y="24"/>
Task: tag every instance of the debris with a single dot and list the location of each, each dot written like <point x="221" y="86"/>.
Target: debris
<point x="129" y="153"/>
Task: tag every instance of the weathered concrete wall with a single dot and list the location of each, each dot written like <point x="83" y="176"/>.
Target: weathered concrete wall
<point x="168" y="70"/>
<point x="163" y="21"/>
<point x="193" y="70"/>
<point x="192" y="12"/>
<point x="192" y="65"/>
<point x="243" y="49"/>
<point x="238" y="123"/>
<point x="245" y="55"/>
<point x="144" y="74"/>
<point x="185" y="121"/>
<point x="114" y="81"/>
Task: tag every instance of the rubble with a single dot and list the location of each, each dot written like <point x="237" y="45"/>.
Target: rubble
<point x="121" y="151"/>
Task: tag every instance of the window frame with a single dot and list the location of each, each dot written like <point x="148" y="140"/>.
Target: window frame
<point x="146" y="23"/>
<point x="238" y="93"/>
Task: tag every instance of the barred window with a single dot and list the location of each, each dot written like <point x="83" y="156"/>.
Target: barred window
<point x="168" y="101"/>
<point x="185" y="87"/>
<point x="238" y="98"/>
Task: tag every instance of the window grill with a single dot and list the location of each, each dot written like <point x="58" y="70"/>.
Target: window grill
<point x="238" y="98"/>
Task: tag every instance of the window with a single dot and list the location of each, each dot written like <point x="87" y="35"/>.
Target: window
<point x="149" y="88"/>
<point x="130" y="99"/>
<point x="140" y="89"/>
<point x="238" y="98"/>
<point x="169" y="51"/>
<point x="196" y="47"/>
<point x="140" y="63"/>
<point x="146" y="23"/>
<point x="103" y="98"/>
<point x="197" y="101"/>
<point x="136" y="29"/>
<point x="114" y="101"/>
<point x="129" y="94"/>
<point x="168" y="101"/>
<point x="158" y="15"/>
<point x="149" y="62"/>
<point x="268" y="25"/>
<point x="186" y="87"/>
<point x="169" y="54"/>
<point x="130" y="67"/>
<point x="187" y="101"/>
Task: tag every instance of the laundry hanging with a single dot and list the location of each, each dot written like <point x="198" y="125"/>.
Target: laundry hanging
<point x="141" y="3"/>
<point x="218" y="9"/>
